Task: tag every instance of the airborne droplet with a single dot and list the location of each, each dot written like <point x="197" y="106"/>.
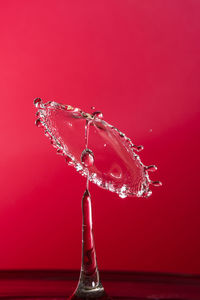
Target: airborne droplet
<point x="87" y="158"/>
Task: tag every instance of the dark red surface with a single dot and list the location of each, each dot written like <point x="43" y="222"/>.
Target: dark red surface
<point x="138" y="62"/>
<point x="119" y="285"/>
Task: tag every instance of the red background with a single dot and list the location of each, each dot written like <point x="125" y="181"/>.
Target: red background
<point x="139" y="63"/>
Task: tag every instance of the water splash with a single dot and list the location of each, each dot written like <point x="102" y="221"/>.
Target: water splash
<point x="116" y="167"/>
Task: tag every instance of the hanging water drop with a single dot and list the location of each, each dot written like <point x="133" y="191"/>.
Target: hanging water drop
<point x="87" y="158"/>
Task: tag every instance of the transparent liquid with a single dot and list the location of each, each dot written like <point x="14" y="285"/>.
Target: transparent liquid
<point x="113" y="163"/>
<point x="114" y="166"/>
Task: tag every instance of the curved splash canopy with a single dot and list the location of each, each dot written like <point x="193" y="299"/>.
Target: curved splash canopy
<point x="116" y="166"/>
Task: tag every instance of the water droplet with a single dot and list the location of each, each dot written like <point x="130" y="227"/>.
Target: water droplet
<point x="137" y="148"/>
<point x="93" y="107"/>
<point x="147" y="194"/>
<point x="122" y="192"/>
<point x="69" y="107"/>
<point x="37" y="102"/>
<point x="87" y="158"/>
<point x="151" y="168"/>
<point x="140" y="148"/>
<point x="150" y="130"/>
<point x="122" y="195"/>
<point x="64" y="106"/>
<point x="68" y="159"/>
<point x="156" y="183"/>
<point x="98" y="114"/>
<point x="105" y="145"/>
<point x="48" y="135"/>
<point x="59" y="151"/>
<point x="38" y="123"/>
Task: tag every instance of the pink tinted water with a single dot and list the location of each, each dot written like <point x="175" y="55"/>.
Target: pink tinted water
<point x="114" y="164"/>
<point x="89" y="284"/>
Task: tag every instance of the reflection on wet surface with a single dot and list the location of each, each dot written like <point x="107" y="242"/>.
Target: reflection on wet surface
<point x="52" y="285"/>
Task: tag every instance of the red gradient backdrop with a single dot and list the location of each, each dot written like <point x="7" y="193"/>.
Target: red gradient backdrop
<point x="139" y="63"/>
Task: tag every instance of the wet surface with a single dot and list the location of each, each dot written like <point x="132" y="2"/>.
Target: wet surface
<point x="119" y="285"/>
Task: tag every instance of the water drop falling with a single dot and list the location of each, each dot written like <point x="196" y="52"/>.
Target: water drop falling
<point x="87" y="158"/>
